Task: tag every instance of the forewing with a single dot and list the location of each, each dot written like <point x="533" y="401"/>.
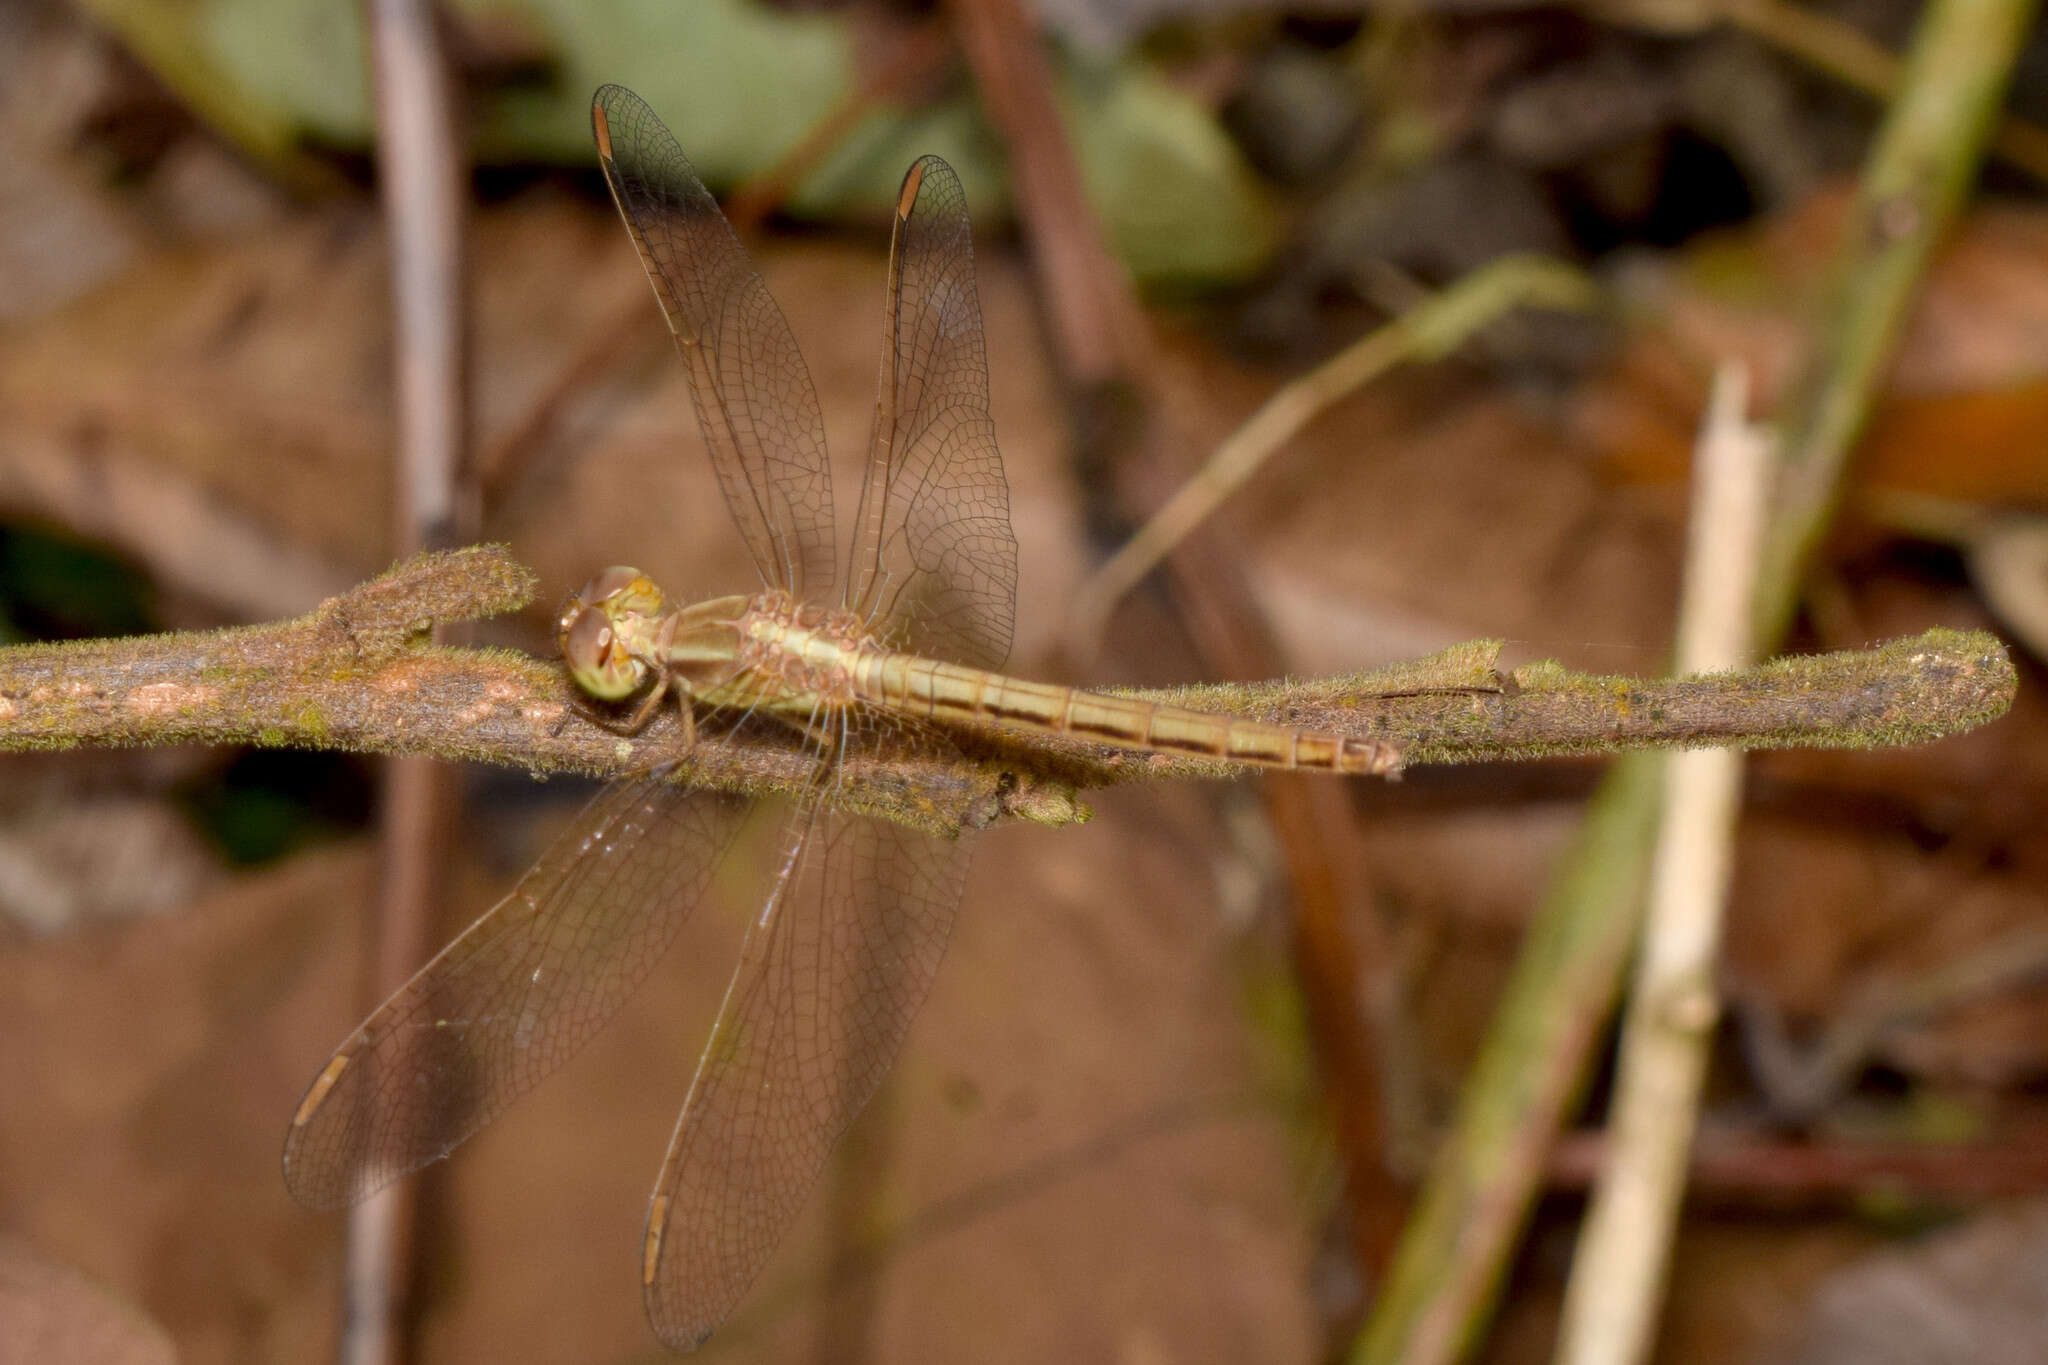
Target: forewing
<point x="748" y="383"/>
<point x="832" y="971"/>
<point x="514" y="996"/>
<point x="934" y="563"/>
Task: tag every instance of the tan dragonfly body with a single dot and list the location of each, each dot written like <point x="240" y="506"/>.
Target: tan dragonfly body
<point x="772" y="652"/>
<point x="897" y="641"/>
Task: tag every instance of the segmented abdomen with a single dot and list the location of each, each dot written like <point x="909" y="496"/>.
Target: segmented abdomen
<point x="942" y="691"/>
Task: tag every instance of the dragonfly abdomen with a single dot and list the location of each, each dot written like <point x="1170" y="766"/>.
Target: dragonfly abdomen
<point x="950" y="692"/>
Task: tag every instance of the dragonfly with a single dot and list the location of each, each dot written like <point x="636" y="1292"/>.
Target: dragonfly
<point x="897" y="644"/>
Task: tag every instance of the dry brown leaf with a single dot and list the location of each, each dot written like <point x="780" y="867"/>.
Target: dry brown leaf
<point x="1966" y="408"/>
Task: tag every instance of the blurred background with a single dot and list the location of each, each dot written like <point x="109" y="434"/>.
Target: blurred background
<point x="1174" y="1093"/>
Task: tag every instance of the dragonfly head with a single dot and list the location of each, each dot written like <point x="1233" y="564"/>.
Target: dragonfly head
<point x="606" y="632"/>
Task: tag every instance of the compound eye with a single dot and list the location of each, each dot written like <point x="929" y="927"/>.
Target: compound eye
<point x="587" y="647"/>
<point x="573" y="611"/>
<point x="586" y="636"/>
<point x="613" y="582"/>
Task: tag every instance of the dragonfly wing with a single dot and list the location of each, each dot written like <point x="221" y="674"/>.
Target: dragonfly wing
<point x="514" y="996"/>
<point x="833" y="969"/>
<point x="748" y="383"/>
<point x="934" y="563"/>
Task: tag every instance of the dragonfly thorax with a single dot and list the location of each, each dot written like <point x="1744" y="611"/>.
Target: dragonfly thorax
<point x="794" y="650"/>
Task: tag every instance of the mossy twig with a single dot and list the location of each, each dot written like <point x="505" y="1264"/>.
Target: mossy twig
<point x="359" y="674"/>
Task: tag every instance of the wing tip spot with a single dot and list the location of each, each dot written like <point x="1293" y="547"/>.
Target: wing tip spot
<point x="321" y="1086"/>
<point x="906" y="198"/>
<point x="657" y="1220"/>
<point x="601" y="129"/>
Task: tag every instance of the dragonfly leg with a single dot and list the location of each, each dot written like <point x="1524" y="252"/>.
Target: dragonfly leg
<point x="596" y="714"/>
<point x="689" y="714"/>
<point x="822" y="732"/>
<point x="644" y="712"/>
<point x="581" y="704"/>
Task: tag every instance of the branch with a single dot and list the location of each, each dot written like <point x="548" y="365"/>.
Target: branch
<point x="1621" y="1267"/>
<point x="1453" y="707"/>
<point x="358" y="674"/>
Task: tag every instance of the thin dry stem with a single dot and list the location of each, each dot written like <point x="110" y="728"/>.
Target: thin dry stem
<point x="1618" y="1272"/>
<point x="424" y="189"/>
<point x="1779" y="1172"/>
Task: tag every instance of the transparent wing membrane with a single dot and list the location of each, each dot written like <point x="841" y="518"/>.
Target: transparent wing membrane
<point x="934" y="562"/>
<point x="515" y="996"/>
<point x="753" y="396"/>
<point x="831" y="974"/>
